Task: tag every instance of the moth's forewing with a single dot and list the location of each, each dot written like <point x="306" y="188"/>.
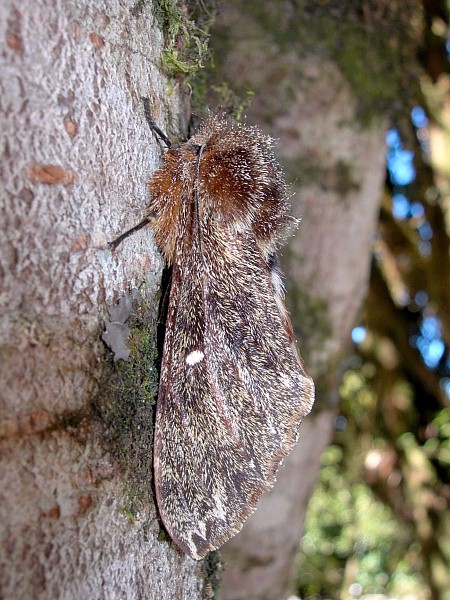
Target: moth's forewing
<point x="232" y="392"/>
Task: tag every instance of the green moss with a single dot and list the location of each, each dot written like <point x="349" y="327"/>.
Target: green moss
<point x="338" y="177"/>
<point x="163" y="536"/>
<point x="128" y="512"/>
<point x="312" y="326"/>
<point x="185" y="27"/>
<point x="310" y="319"/>
<point x="344" y="178"/>
<point x="212" y="568"/>
<point x="71" y="419"/>
<point x="374" y="47"/>
<point x="375" y="71"/>
<point x="174" y="65"/>
<point x="125" y="405"/>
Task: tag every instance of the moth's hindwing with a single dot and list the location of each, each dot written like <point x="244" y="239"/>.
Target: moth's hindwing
<point x="232" y="392"/>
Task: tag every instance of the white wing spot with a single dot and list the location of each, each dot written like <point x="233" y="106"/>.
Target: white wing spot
<point x="194" y="357"/>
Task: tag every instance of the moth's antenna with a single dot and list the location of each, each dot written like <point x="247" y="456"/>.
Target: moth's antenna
<point x="151" y="123"/>
<point x="197" y="204"/>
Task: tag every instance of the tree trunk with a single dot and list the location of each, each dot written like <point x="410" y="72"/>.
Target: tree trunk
<point x="77" y="154"/>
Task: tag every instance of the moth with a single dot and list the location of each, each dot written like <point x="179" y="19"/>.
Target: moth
<point x="233" y="389"/>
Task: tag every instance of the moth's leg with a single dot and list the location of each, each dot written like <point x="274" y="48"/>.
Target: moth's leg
<point x="151" y="123"/>
<point x="113" y="245"/>
<point x="148" y="116"/>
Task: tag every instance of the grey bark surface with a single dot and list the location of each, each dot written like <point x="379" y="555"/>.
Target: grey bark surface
<point x="76" y="156"/>
<point x="336" y="169"/>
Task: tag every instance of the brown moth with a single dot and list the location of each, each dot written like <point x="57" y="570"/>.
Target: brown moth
<point x="233" y="389"/>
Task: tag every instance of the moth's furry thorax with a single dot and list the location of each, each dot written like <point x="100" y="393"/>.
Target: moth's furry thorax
<point x="240" y="185"/>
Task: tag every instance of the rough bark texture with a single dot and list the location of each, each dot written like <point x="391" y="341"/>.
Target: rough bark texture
<point x="337" y="169"/>
<point x="76" y="156"/>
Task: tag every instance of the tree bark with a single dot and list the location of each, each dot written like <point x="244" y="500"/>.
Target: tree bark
<point x="76" y="156"/>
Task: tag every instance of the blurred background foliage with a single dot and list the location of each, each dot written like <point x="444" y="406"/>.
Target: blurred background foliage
<point x="379" y="521"/>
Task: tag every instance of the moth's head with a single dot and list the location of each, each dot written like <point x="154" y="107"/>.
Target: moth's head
<point x="215" y="129"/>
